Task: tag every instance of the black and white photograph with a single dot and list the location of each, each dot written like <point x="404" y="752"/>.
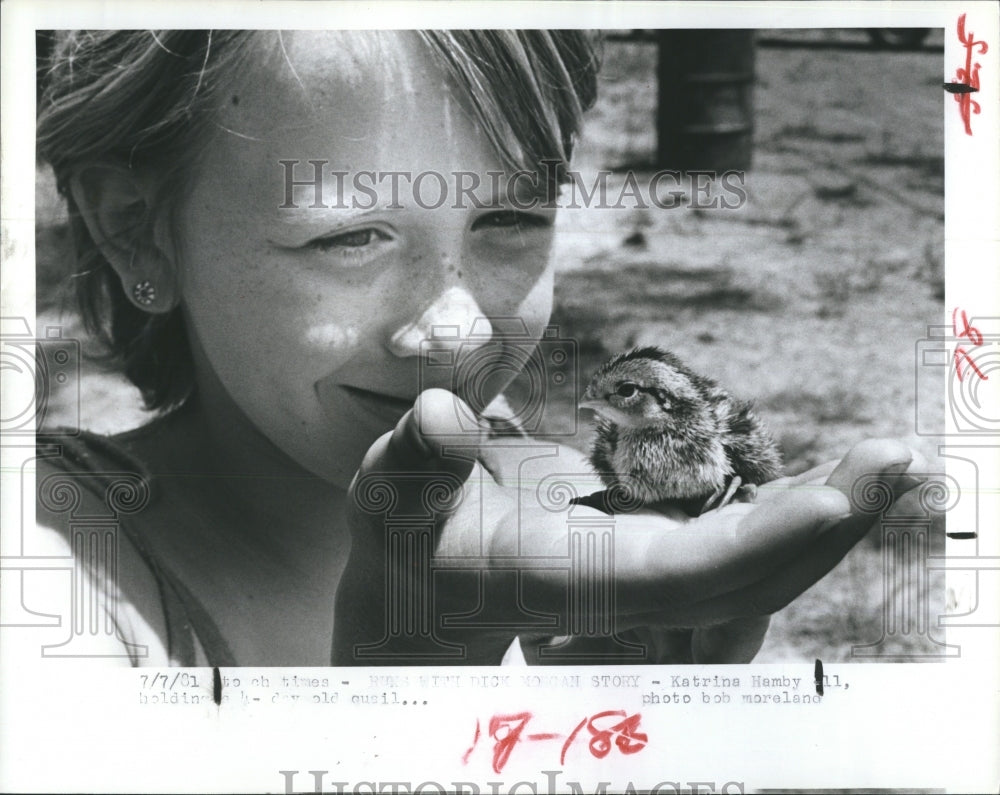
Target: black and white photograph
<point x="556" y="397"/>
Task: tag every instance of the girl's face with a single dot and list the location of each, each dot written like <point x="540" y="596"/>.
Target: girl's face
<point x="316" y="319"/>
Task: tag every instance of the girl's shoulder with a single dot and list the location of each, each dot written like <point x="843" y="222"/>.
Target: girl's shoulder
<point x="91" y="497"/>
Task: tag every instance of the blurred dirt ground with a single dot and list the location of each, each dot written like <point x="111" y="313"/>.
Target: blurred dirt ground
<point x="811" y="298"/>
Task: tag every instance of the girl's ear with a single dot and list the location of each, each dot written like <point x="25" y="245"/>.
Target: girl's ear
<point x="115" y="204"/>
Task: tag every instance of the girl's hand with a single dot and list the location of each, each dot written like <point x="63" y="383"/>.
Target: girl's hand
<point x="448" y="565"/>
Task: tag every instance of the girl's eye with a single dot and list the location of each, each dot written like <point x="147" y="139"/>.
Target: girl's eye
<point x="359" y="238"/>
<point x="627" y="389"/>
<point x="511" y="218"/>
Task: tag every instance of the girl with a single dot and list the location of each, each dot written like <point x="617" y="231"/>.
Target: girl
<point x="275" y="296"/>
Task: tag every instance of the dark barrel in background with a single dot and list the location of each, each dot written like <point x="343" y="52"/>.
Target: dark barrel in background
<point x="704" y="117"/>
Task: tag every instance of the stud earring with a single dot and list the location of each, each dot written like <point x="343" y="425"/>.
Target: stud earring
<point x="144" y="293"/>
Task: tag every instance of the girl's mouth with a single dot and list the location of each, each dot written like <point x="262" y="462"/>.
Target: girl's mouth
<point x="387" y="409"/>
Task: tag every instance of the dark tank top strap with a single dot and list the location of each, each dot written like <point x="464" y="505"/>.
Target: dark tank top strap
<point x="217" y="651"/>
<point x="186" y="618"/>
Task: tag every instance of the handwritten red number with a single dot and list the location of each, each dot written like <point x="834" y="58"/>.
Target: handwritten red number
<point x="959" y="355"/>
<point x="569" y="740"/>
<point x="506" y="730"/>
<point x="626" y="738"/>
<point x="623" y="735"/>
<point x="475" y="741"/>
<point x="968" y="76"/>
<point x="974" y="335"/>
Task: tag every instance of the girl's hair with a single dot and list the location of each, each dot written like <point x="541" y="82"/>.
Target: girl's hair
<point x="147" y="99"/>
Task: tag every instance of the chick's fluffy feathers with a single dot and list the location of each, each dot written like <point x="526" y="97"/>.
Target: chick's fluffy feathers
<point x="683" y="438"/>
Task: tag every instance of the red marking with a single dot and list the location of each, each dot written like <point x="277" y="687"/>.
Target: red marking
<point x="623" y="735"/>
<point x="569" y="740"/>
<point x="465" y="756"/>
<point x="626" y="738"/>
<point x="969" y="76"/>
<point x="974" y="335"/>
<point x="960" y="352"/>
<point x="507" y="730"/>
<point x="511" y="726"/>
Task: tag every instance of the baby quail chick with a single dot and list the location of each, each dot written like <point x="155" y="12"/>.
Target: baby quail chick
<point x="665" y="433"/>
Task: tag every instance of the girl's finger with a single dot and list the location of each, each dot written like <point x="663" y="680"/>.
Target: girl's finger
<point x="777" y="590"/>
<point x="875" y="465"/>
<point x="818" y="474"/>
<point x="420" y="467"/>
<point x="720" y="552"/>
<point x="872" y="476"/>
<point x="429" y="437"/>
<point x="873" y="459"/>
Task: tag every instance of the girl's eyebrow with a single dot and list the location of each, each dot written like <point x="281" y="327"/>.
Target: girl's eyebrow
<point x="305" y="223"/>
<point x="304" y="217"/>
<point x="540" y="188"/>
<point x="526" y="191"/>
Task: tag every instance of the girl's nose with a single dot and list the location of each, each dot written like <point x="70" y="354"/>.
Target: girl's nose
<point x="454" y="317"/>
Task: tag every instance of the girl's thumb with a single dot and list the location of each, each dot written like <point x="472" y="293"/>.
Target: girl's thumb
<point x="428" y="456"/>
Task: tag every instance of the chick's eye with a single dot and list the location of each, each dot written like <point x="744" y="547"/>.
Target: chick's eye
<point x="626" y="390"/>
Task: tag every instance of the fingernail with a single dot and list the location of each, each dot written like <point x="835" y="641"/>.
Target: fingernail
<point x="829" y="524"/>
<point x="898" y="468"/>
<point x="908" y="482"/>
<point x="414" y="435"/>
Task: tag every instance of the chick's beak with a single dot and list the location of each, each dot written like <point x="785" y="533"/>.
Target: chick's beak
<point x="591" y="401"/>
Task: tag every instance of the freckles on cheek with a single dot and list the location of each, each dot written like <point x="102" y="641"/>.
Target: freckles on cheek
<point x="332" y="336"/>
